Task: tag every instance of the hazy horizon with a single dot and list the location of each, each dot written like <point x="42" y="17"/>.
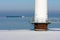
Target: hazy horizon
<point x="26" y="13"/>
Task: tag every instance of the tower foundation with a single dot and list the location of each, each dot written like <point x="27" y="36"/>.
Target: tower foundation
<point x="40" y="26"/>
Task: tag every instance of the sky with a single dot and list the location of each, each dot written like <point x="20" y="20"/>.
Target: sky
<point x="54" y="5"/>
<point x="18" y="7"/>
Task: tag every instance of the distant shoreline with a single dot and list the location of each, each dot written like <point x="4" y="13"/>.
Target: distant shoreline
<point x="13" y="16"/>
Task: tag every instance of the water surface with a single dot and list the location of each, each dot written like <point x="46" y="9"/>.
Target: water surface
<point x="18" y="23"/>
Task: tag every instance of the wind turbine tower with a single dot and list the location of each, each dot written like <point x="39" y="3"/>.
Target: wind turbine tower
<point x="41" y="16"/>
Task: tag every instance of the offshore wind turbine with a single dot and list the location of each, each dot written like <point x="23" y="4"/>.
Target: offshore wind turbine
<point x="41" y="15"/>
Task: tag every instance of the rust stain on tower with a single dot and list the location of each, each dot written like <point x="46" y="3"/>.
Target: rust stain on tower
<point x="40" y="27"/>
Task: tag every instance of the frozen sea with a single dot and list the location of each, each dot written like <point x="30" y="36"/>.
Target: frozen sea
<point x="18" y="23"/>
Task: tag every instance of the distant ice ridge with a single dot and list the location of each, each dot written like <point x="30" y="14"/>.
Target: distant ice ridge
<point x="29" y="35"/>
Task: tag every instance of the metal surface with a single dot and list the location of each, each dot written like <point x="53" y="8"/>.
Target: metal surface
<point x="41" y="26"/>
<point x="41" y="15"/>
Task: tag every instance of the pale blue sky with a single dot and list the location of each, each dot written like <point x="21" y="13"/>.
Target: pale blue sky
<point x="27" y="5"/>
<point x="54" y="5"/>
<point x="16" y="5"/>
